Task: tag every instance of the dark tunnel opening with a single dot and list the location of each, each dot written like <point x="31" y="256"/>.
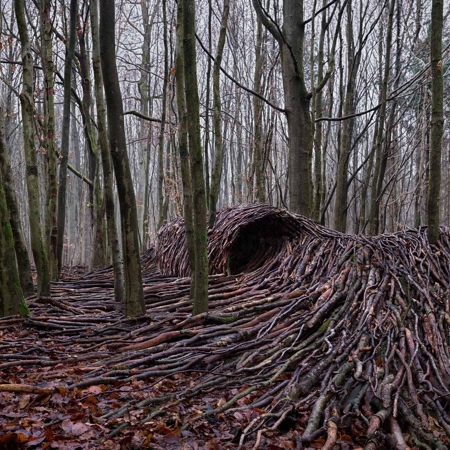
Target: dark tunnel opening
<point x="257" y="243"/>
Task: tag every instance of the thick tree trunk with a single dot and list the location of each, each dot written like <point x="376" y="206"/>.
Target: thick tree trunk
<point x="11" y="295"/>
<point x="297" y="103"/>
<point x="22" y="257"/>
<point x="23" y="260"/>
<point x="437" y="121"/>
<point x="108" y="185"/>
<point x="26" y="99"/>
<point x="134" y="296"/>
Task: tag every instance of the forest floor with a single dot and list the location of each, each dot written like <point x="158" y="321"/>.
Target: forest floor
<point x="316" y="340"/>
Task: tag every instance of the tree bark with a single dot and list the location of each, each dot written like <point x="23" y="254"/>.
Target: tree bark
<point x="26" y="99"/>
<point x="381" y="152"/>
<point x="23" y="260"/>
<point x="11" y="295"/>
<point x="200" y="270"/>
<point x="134" y="296"/>
<point x="22" y="257"/>
<point x="437" y="121"/>
<point x="162" y="204"/>
<point x="108" y="184"/>
<point x="183" y="147"/>
<point x="51" y="229"/>
<point x="216" y="175"/>
<point x="297" y="103"/>
<point x="95" y="214"/>
<point x="257" y="177"/>
<point x="65" y="133"/>
<point x="353" y="60"/>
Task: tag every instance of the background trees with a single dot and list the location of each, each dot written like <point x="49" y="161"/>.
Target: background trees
<point x="323" y="107"/>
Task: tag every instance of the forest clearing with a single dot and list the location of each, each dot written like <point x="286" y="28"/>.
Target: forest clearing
<point x="313" y="339"/>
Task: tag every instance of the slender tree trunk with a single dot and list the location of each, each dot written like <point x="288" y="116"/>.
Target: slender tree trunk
<point x="200" y="271"/>
<point x="183" y="147"/>
<point x="26" y="99"/>
<point x="161" y="207"/>
<point x="66" y="132"/>
<point x="353" y="59"/>
<point x="145" y="148"/>
<point x="216" y="175"/>
<point x="437" y="121"/>
<point x="317" y="99"/>
<point x="207" y="107"/>
<point x="381" y="152"/>
<point x="108" y="184"/>
<point x="49" y="130"/>
<point x="95" y="204"/>
<point x="257" y="176"/>
<point x="134" y="296"/>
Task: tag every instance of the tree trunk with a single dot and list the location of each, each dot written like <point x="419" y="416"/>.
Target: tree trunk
<point x="11" y="295"/>
<point x="65" y="133"/>
<point x="200" y="269"/>
<point x="216" y="175"/>
<point x="12" y="206"/>
<point x="26" y="99"/>
<point x="381" y="152"/>
<point x="51" y="229"/>
<point x="134" y="296"/>
<point x="297" y="103"/>
<point x="161" y="172"/>
<point x="96" y="233"/>
<point x="183" y="147"/>
<point x="353" y="59"/>
<point x="437" y="121"/>
<point x="23" y="260"/>
<point x="145" y="130"/>
<point x="108" y="184"/>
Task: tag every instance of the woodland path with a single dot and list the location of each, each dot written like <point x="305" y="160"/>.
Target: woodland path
<point x="316" y="339"/>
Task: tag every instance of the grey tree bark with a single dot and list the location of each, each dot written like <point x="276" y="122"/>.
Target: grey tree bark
<point x="216" y="175"/>
<point x="437" y="121"/>
<point x="108" y="185"/>
<point x="38" y="242"/>
<point x="51" y="228"/>
<point x="134" y="296"/>
<point x="65" y="133"/>
<point x="200" y="269"/>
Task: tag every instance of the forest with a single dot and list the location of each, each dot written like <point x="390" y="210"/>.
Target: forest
<point x="223" y="224"/>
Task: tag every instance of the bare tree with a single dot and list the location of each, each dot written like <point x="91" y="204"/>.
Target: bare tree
<point x="108" y="185"/>
<point x="189" y="107"/>
<point x="216" y="175"/>
<point x="134" y="296"/>
<point x="38" y="242"/>
<point x="437" y="121"/>
<point x="66" y="131"/>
